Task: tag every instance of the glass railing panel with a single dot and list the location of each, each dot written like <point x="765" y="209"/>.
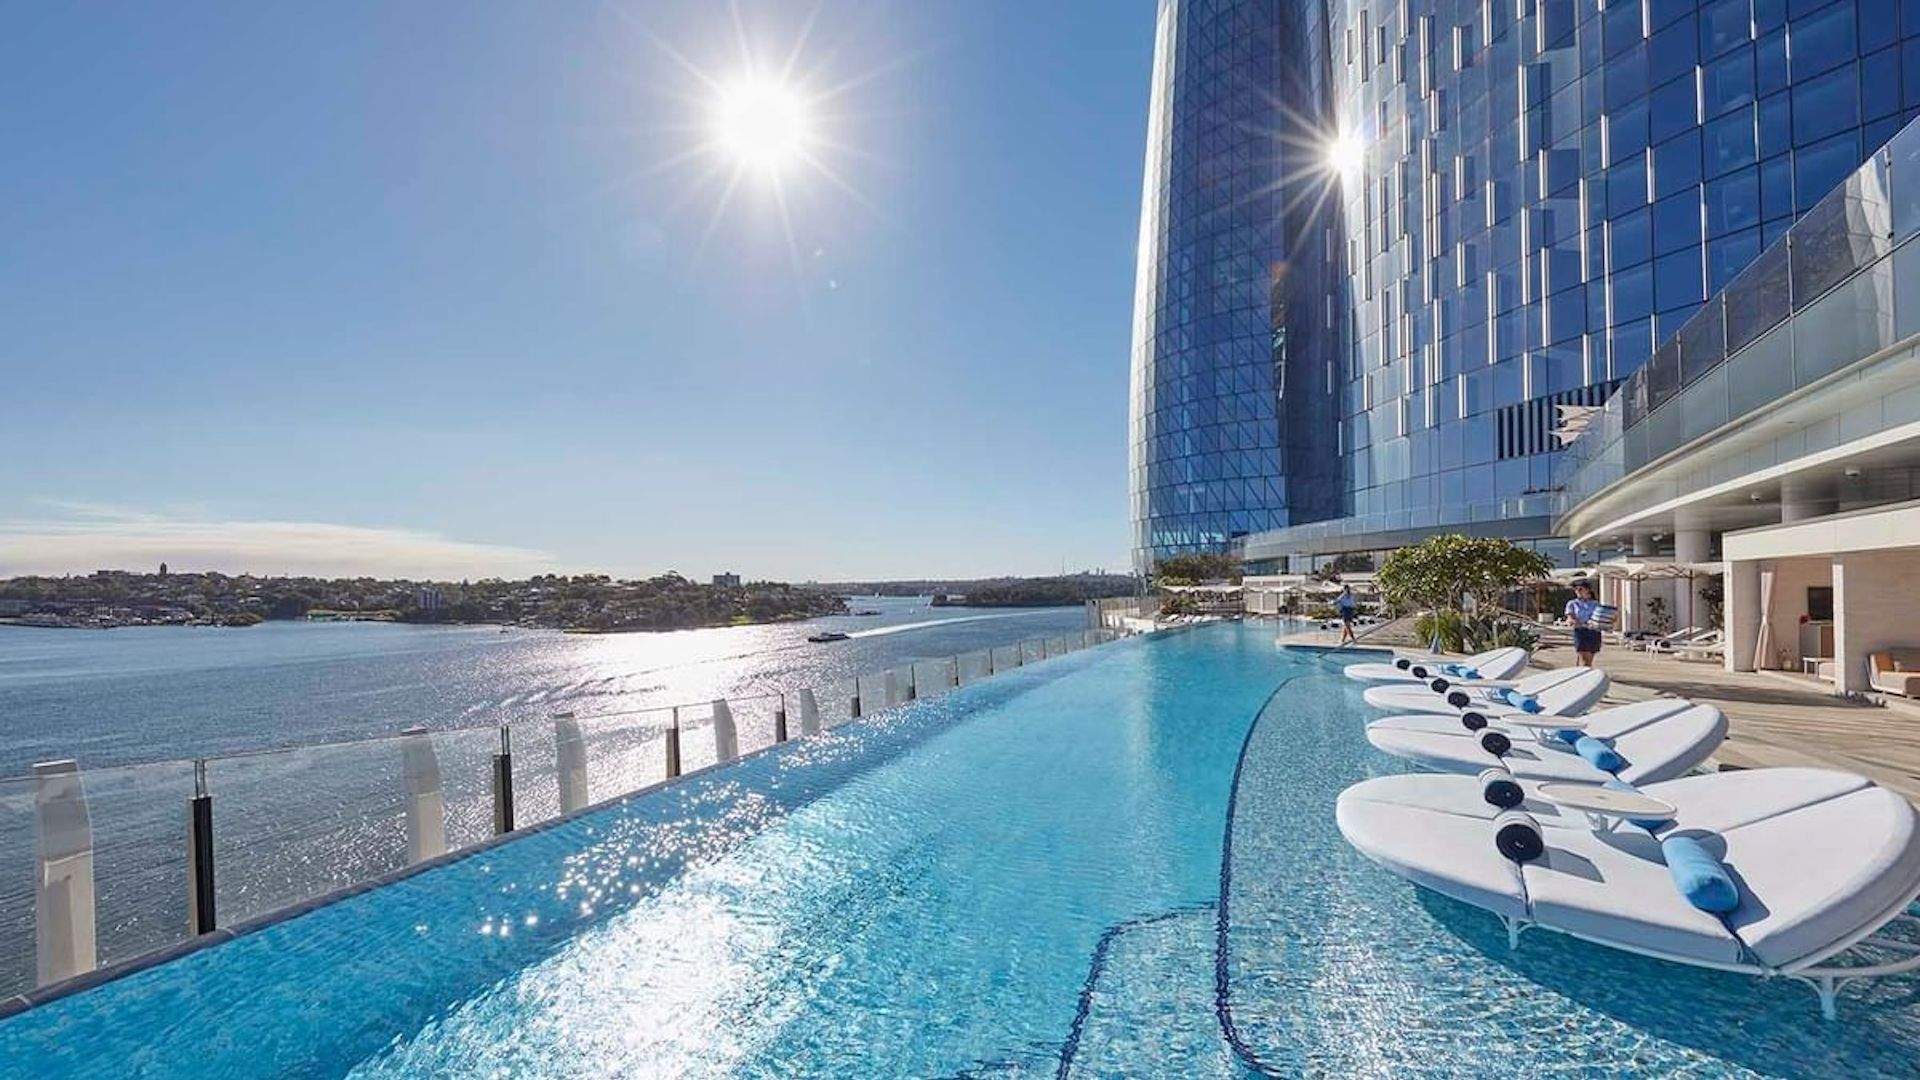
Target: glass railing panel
<point x="931" y="678"/>
<point x="346" y="825"/>
<point x="16" y="885"/>
<point x="466" y="782"/>
<point x="1761" y="373"/>
<point x="1906" y="284"/>
<point x="1844" y="231"/>
<point x="1904" y="181"/>
<point x="536" y="787"/>
<point x="1703" y="342"/>
<point x="874" y="694"/>
<point x="697" y="749"/>
<point x="1032" y="652"/>
<point x="754" y="718"/>
<point x="1663" y="376"/>
<point x="1849" y="323"/>
<point x="1703" y="406"/>
<point x="139" y="818"/>
<point x="975" y="666"/>
<point x="1759" y="299"/>
<point x="623" y="753"/>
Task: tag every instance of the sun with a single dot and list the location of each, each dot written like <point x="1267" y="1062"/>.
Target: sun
<point x="761" y="124"/>
<point x="1345" y="153"/>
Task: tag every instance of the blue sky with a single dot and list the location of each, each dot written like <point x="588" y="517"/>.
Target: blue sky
<point x="447" y="287"/>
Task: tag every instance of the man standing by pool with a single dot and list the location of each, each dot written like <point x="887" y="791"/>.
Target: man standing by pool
<point x="1580" y="612"/>
<point x="1345" y="606"/>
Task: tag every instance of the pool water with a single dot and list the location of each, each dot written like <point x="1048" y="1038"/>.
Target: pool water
<point x="1118" y="863"/>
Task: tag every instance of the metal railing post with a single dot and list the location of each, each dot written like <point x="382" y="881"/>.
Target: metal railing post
<point x="955" y="684"/>
<point x="673" y="745"/>
<point x="913" y="682"/>
<point x="856" y="699"/>
<point x="780" y="718"/>
<point x="503" y="784"/>
<point x="63" y="909"/>
<point x="200" y="911"/>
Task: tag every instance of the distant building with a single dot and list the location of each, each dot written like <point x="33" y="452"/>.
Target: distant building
<point x="163" y="569"/>
<point x="431" y="599"/>
<point x="15" y="607"/>
<point x="727" y="581"/>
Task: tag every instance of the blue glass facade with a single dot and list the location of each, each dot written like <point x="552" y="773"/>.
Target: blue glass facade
<point x="1232" y="424"/>
<point x="1548" y="188"/>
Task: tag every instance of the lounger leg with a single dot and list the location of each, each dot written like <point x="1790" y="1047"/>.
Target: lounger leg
<point x="1514" y="929"/>
<point x="1828" y="987"/>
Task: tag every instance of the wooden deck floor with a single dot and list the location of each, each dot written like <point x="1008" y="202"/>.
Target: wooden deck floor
<point x="1773" y="719"/>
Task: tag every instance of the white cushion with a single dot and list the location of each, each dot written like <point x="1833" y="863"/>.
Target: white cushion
<point x="1459" y="796"/>
<point x="1813" y="877"/>
<point x="1716" y="802"/>
<point x="1412" y="697"/>
<point x="1573" y="696"/>
<point x="1615" y="888"/>
<point x="1494" y="666"/>
<point x="1671" y="745"/>
<point x="1434" y="850"/>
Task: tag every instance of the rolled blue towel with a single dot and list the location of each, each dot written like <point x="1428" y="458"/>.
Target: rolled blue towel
<point x="1569" y="736"/>
<point x="1467" y="672"/>
<point x="1599" y="754"/>
<point x="1526" y="703"/>
<point x="1516" y="835"/>
<point x="1649" y="824"/>
<point x="1699" y="876"/>
<point x="1450" y="669"/>
<point x="1499" y="788"/>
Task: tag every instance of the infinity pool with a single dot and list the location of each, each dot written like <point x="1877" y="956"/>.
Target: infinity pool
<point x="1118" y="863"/>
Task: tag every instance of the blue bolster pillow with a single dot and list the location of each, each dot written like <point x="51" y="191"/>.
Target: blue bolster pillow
<point x="1699" y="876"/>
<point x="1569" y="736"/>
<point x="1599" y="754"/>
<point x="1499" y="694"/>
<point x="1649" y="824"/>
<point x="1468" y="673"/>
<point x="1526" y="703"/>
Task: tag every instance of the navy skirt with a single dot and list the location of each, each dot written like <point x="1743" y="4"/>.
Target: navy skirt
<point x="1586" y="639"/>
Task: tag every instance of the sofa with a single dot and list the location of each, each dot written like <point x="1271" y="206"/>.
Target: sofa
<point x="1895" y="671"/>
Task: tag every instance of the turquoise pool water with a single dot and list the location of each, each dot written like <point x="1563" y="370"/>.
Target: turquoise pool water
<point x="1037" y="875"/>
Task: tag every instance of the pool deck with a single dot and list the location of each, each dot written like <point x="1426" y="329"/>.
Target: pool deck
<point x="1774" y="718"/>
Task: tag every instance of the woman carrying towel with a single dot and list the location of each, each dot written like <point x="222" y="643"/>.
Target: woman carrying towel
<point x="1580" y="612"/>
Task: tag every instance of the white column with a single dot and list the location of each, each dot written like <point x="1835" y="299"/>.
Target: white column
<point x="809" y="713"/>
<point x="726" y="736"/>
<point x="570" y="748"/>
<point x="63" y="908"/>
<point x="1742" y="613"/>
<point x="426" y="806"/>
<point x="1692" y="546"/>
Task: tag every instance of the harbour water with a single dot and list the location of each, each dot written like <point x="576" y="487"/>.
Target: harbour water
<point x="158" y="693"/>
<point x="298" y="720"/>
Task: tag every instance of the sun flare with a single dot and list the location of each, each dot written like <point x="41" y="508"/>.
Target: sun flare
<point x="762" y="124"/>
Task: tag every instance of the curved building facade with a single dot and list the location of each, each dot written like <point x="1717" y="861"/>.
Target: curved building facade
<point x="1232" y="423"/>
<point x="1540" y="194"/>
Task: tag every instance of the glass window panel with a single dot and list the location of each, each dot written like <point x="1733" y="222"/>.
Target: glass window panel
<point x="1769" y="14"/>
<point x="1632" y="343"/>
<point x="1671" y="52"/>
<point x="1626" y="134"/>
<point x="1661" y="13"/>
<point x="1727" y="82"/>
<point x="1677" y="279"/>
<point x="1630" y="238"/>
<point x="1676" y="164"/>
<point x="1728" y="256"/>
<point x="1910" y="72"/>
<point x="1758" y="298"/>
<point x="1633" y="293"/>
<point x="1676" y="222"/>
<point x="1674" y="108"/>
<point x="1775" y="123"/>
<point x="1626" y="76"/>
<point x="1776" y="188"/>
<point x="1825" y="105"/>
<point x="1729" y="142"/>
<point x="1819" y="167"/>
<point x="1733" y="202"/>
<point x="1879" y="23"/>
<point x="1879" y="86"/>
<point x="1822" y="40"/>
<point x="1723" y="25"/>
<point x="1770" y="62"/>
<point x="1622" y="25"/>
<point x="1627" y="185"/>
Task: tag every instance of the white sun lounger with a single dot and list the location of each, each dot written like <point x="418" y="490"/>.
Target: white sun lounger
<point x="1494" y="666"/>
<point x="1660" y="739"/>
<point x="1822" y="860"/>
<point x="1562" y="692"/>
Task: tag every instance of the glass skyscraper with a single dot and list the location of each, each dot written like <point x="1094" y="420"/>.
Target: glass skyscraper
<point x="1539" y="192"/>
